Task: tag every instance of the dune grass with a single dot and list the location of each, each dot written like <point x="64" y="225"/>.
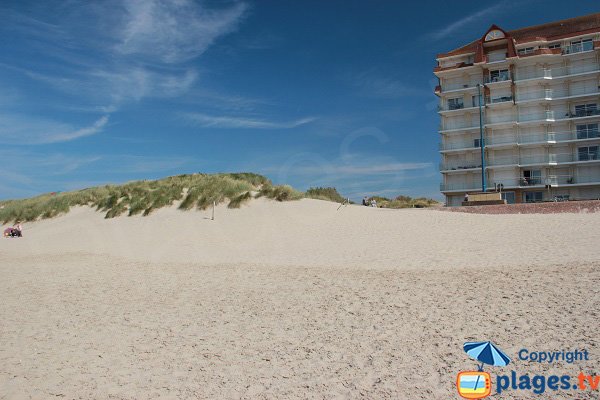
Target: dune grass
<point x="197" y="191"/>
<point x="404" y="202"/>
<point x="325" y="193"/>
<point x="190" y="191"/>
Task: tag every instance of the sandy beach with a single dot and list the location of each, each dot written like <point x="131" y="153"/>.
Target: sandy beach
<point x="291" y="301"/>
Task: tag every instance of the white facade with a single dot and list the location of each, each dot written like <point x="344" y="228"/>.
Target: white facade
<point x="541" y="119"/>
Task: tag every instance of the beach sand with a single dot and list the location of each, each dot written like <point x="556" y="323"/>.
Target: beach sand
<point x="291" y="301"/>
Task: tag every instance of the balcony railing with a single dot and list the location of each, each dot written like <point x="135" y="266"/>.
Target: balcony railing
<point x="556" y="72"/>
<point x="457" y="86"/>
<point x="571" y="179"/>
<point x="578" y="48"/>
<point x="551" y="94"/>
<point x="546" y="115"/>
<point x="499" y="99"/>
<point x="459" y="145"/>
<point x="553" y="180"/>
<point x="456" y="125"/>
<point x="524" y="182"/>
<point x="507" y="160"/>
<point x="530" y="138"/>
<point x="451" y="106"/>
<point x="541" y="116"/>
<point x="444" y="187"/>
<point x="459" y="165"/>
<point x="539" y="137"/>
<point x="541" y="159"/>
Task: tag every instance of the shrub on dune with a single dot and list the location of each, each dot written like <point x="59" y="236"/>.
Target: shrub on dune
<point x="325" y="193"/>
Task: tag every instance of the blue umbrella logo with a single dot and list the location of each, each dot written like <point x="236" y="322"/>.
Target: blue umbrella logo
<point x="486" y="353"/>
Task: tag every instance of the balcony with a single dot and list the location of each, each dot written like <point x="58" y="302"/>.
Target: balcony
<point x="462" y="145"/>
<point x="458" y="86"/>
<point x="459" y="165"/>
<point x="526" y="182"/>
<point x="557" y="72"/>
<point x="538" y="160"/>
<point x="448" y="187"/>
<point x="552" y="180"/>
<point x="507" y="160"/>
<point x="554" y="94"/>
<point x="557" y="180"/>
<point x="452" y="107"/>
<point x="499" y="99"/>
<point x="454" y="127"/>
<point x="543" y="116"/>
<point x="515" y="160"/>
<point x="541" y="137"/>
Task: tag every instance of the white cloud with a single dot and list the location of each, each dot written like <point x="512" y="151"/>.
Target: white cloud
<point x="137" y="50"/>
<point x="21" y="129"/>
<point x="174" y="30"/>
<point x="208" y="121"/>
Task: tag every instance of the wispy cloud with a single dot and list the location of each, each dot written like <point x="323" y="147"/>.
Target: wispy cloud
<point x="129" y="52"/>
<point x="176" y="30"/>
<point x="23" y="129"/>
<point x="457" y="25"/>
<point x="209" y="121"/>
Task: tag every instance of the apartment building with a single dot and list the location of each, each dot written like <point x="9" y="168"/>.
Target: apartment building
<point x="540" y="91"/>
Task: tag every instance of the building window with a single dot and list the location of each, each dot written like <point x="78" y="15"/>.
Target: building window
<point x="526" y="50"/>
<point x="531" y="177"/>
<point x="456" y="103"/>
<point x="554" y="46"/>
<point x="582" y="45"/>
<point x="587" y="131"/>
<point x="533" y="197"/>
<point x="477" y="142"/>
<point x="499" y="75"/>
<point x="585" y="110"/>
<point x="587" y="153"/>
<point x="495" y="34"/>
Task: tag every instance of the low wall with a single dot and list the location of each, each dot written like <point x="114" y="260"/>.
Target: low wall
<point x="531" y="208"/>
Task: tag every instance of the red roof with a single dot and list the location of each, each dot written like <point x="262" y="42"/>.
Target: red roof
<point x="550" y="31"/>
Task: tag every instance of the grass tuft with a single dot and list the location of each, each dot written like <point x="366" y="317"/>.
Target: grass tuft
<point x="280" y="193"/>
<point x="404" y="202"/>
<point x="325" y="193"/>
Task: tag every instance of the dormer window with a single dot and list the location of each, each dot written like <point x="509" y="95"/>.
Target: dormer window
<point x="494" y="34"/>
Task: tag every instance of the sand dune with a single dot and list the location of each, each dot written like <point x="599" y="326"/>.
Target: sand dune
<point x="314" y="233"/>
<point x="289" y="300"/>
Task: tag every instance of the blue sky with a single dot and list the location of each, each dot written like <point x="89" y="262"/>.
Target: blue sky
<point x="310" y="93"/>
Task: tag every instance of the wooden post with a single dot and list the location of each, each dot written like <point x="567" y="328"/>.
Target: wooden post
<point x="213" y="212"/>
